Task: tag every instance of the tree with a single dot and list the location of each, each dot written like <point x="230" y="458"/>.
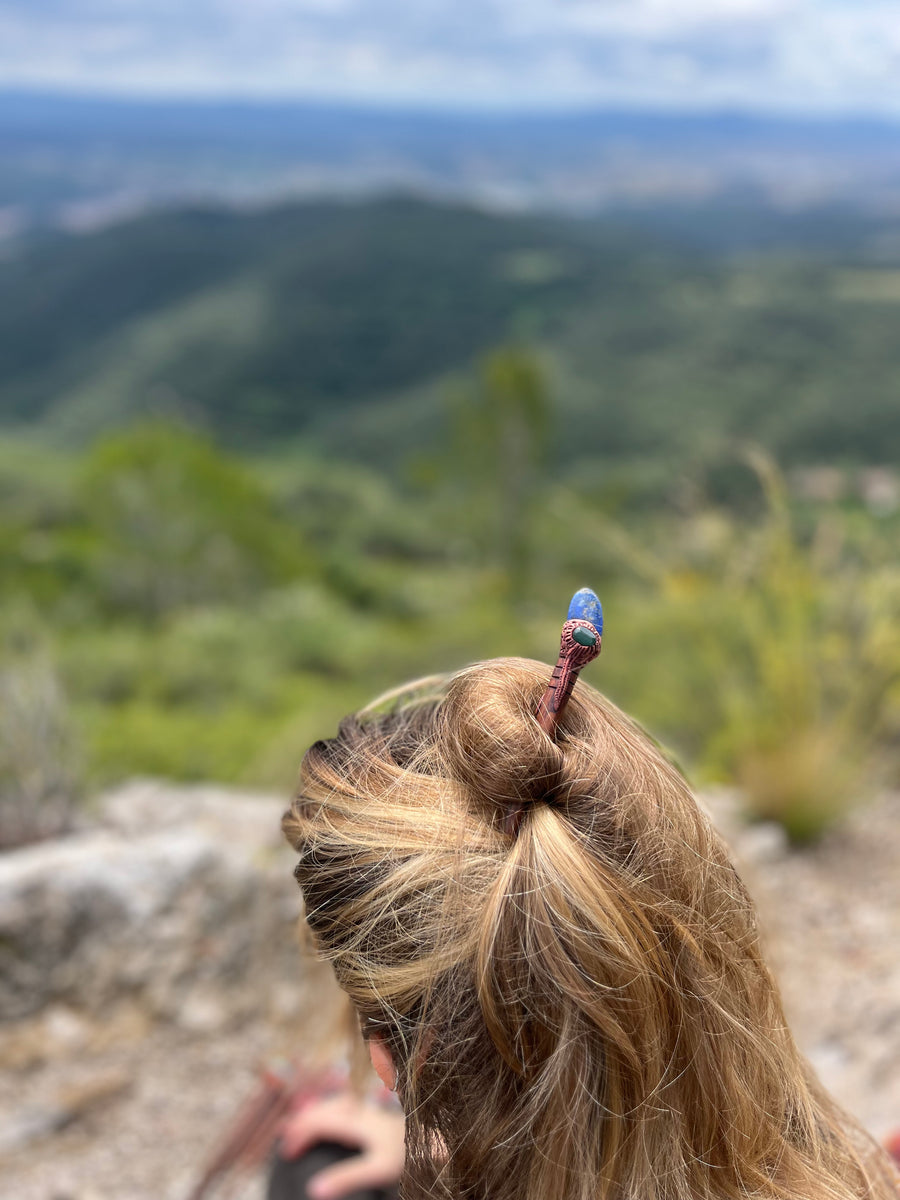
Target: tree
<point x="497" y="458"/>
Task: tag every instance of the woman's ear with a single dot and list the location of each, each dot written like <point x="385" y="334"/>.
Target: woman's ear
<point x="382" y="1062"/>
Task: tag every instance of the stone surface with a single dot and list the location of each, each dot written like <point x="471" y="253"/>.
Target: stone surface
<point x="181" y="899"/>
<point x="831" y="915"/>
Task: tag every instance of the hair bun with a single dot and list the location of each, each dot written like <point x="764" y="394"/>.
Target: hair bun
<point x="494" y="744"/>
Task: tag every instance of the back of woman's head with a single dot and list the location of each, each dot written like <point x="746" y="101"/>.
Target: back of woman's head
<point x="559" y="954"/>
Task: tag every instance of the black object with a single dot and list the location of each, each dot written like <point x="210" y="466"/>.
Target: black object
<point x="288" y="1177"/>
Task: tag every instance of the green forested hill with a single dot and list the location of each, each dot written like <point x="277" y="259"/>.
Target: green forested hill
<point x="256" y="322"/>
<point x="346" y="319"/>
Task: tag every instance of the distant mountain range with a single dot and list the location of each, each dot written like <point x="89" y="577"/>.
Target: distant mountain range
<point x="80" y="162"/>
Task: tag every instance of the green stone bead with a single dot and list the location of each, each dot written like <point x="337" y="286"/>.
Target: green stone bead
<point x="584" y="637"/>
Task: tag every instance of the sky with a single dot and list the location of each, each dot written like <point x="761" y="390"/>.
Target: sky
<point x="793" y="56"/>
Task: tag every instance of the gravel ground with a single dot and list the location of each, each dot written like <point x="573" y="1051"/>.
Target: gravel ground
<point x="832" y="920"/>
<point x="145" y="1104"/>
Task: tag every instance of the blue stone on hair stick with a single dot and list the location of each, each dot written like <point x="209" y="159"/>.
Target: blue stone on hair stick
<point x="579" y="644"/>
<point x="586" y="606"/>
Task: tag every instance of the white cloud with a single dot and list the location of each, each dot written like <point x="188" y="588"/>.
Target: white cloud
<point x="803" y="55"/>
<point x="656" y="18"/>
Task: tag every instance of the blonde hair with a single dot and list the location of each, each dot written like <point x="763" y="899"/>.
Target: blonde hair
<point x="577" y="1012"/>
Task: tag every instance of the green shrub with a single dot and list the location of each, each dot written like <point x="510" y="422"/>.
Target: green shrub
<point x="179" y="523"/>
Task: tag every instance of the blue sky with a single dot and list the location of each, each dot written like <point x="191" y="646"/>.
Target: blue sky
<point x="801" y="56"/>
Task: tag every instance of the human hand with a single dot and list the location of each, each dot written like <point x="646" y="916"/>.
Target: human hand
<point x="377" y="1133"/>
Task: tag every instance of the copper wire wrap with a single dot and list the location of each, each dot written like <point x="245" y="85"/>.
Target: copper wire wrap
<point x="573" y="656"/>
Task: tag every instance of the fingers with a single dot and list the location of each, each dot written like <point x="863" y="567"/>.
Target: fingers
<point x="354" y="1174"/>
<point x="319" y="1123"/>
<point x="377" y="1134"/>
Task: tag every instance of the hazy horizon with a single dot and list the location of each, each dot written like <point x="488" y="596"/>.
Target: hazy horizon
<point x="93" y="94"/>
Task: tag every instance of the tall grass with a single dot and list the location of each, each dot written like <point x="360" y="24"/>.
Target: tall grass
<point x="775" y="663"/>
<point x="39" y="776"/>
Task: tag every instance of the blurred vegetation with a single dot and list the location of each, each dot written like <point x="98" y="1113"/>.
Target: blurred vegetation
<point x="493" y="471"/>
<point x="778" y="653"/>
<point x="39" y="767"/>
<point x="201" y="594"/>
<point x="341" y="321"/>
<point x="208" y="616"/>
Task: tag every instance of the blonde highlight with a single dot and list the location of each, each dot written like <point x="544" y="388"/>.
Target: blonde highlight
<point x="577" y="1012"/>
